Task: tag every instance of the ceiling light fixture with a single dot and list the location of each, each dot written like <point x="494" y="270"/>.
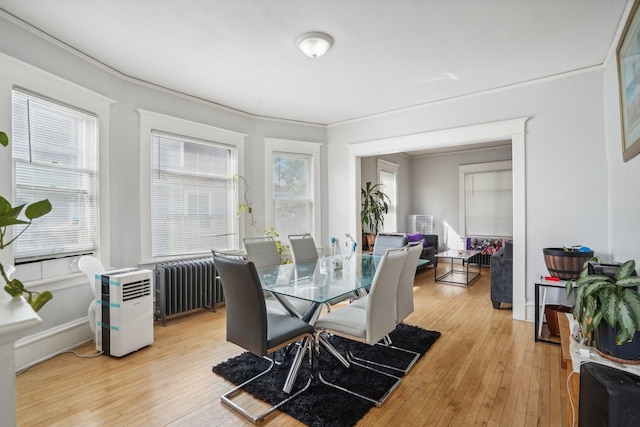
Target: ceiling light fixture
<point x="314" y="44"/>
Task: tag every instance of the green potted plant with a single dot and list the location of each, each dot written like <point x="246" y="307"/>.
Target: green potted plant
<point x="246" y="207"/>
<point x="375" y="204"/>
<point x="610" y="308"/>
<point x="9" y="217"/>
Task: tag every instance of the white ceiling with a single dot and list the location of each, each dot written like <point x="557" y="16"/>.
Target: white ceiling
<point x="387" y="54"/>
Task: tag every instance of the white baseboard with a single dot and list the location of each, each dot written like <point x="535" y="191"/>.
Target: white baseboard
<point x="38" y="347"/>
<point x="530" y="311"/>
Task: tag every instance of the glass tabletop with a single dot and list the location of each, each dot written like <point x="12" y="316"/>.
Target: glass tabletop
<point x="452" y="253"/>
<point x="320" y="281"/>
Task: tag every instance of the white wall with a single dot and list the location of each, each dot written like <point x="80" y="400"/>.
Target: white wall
<point x="65" y="322"/>
<point x="565" y="157"/>
<point x="435" y="185"/>
<point x="623" y="192"/>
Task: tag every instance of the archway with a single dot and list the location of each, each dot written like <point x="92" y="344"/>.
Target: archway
<point x="476" y="134"/>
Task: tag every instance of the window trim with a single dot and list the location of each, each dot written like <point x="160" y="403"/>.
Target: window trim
<point x="150" y="121"/>
<point x="463" y="170"/>
<point x="295" y="147"/>
<point x="17" y="74"/>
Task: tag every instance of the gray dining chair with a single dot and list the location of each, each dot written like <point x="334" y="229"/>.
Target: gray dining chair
<point x="303" y="248"/>
<point x="251" y="327"/>
<point x="263" y="252"/>
<point x="372" y="323"/>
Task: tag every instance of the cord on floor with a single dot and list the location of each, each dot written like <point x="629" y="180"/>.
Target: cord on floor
<point x="81" y="356"/>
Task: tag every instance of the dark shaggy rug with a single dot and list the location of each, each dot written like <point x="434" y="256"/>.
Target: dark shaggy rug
<point x="322" y="405"/>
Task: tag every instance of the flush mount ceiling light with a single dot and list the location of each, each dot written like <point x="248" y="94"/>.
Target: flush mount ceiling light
<point x="314" y="44"/>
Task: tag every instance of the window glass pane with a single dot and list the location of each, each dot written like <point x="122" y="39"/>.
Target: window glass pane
<point x="192" y="196"/>
<point x="292" y="193"/>
<point x="388" y="187"/>
<point x="489" y="204"/>
<point x="55" y="158"/>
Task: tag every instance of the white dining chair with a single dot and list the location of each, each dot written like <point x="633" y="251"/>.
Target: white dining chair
<point x="373" y="322"/>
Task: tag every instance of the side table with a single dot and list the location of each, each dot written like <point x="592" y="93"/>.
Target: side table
<point x="464" y="277"/>
<point x="541" y="330"/>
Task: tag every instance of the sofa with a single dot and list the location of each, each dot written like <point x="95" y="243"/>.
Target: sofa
<point x="501" y="264"/>
<point x="385" y="241"/>
<point x="430" y="250"/>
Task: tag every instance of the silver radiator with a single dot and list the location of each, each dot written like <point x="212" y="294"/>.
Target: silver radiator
<point x="186" y="285"/>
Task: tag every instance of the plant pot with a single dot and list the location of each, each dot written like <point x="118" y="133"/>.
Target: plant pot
<point x="628" y="352"/>
<point x="551" y="312"/>
<point x="565" y="265"/>
<point x="371" y="240"/>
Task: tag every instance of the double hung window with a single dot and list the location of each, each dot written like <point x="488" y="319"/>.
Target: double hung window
<point x="55" y="157"/>
<point x="388" y="179"/>
<point x="292" y="193"/>
<point x="487" y="195"/>
<point x="293" y="187"/>
<point x="192" y="195"/>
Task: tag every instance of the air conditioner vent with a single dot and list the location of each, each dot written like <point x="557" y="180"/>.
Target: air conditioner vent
<point x="138" y="289"/>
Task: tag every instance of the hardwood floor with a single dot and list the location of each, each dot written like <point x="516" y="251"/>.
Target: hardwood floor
<point x="485" y="369"/>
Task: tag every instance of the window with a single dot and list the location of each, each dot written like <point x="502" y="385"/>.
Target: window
<point x="292" y="193"/>
<point x="188" y="193"/>
<point x="55" y="157"/>
<point x="293" y="187"/>
<point x="487" y="190"/>
<point x="387" y="177"/>
<point x="192" y="196"/>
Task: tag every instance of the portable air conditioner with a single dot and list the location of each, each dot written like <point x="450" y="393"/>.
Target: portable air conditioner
<point x="124" y="311"/>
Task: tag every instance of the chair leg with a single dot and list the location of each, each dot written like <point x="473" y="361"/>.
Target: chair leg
<point x="226" y="398"/>
<point x="387" y="343"/>
<point x="496" y="305"/>
<point x="377" y="402"/>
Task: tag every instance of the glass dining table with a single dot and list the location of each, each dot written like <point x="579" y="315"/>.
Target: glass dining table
<point x="323" y="281"/>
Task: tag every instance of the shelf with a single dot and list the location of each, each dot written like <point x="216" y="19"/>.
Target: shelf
<point x="546" y="336"/>
<point x="542" y="333"/>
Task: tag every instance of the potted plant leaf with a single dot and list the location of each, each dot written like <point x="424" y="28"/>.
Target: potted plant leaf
<point x="9" y="216"/>
<point x="609" y="307"/>
<point x="375" y="204"/>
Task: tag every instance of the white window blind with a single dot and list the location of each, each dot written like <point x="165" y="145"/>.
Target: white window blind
<point x="293" y="193"/>
<point x="388" y="179"/>
<point x="55" y="157"/>
<point x="489" y="203"/>
<point x="193" y="198"/>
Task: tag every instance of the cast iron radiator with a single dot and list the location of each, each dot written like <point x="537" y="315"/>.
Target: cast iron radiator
<point x="186" y="285"/>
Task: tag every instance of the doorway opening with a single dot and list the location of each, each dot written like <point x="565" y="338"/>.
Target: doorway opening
<point x="468" y="135"/>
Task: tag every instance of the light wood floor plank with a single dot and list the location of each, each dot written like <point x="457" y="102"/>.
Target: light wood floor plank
<point x="485" y="369"/>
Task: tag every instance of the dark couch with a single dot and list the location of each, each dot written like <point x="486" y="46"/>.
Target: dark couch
<point x="385" y="241"/>
<point x="429" y="252"/>
<point x="502" y="276"/>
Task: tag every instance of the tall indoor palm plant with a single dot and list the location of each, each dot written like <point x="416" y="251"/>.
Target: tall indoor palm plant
<point x="375" y="204"/>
